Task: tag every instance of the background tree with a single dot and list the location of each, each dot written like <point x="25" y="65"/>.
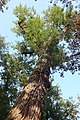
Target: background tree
<point x="4" y="101"/>
<point x="13" y="73"/>
<point x="56" y="107"/>
<point x="42" y="37"/>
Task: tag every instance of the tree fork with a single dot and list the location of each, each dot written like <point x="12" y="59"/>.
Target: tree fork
<point x="29" y="104"/>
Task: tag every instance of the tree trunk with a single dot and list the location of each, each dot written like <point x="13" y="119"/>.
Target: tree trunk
<point x="29" y="104"/>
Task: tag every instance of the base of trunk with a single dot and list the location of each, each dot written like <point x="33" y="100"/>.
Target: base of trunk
<point x="30" y="103"/>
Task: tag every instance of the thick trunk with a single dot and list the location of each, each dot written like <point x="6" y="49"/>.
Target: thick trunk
<point x="30" y="103"/>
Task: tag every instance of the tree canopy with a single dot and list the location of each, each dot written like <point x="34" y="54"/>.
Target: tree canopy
<point x="44" y="35"/>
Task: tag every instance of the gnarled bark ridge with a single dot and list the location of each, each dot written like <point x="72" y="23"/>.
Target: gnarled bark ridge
<point x="30" y="103"/>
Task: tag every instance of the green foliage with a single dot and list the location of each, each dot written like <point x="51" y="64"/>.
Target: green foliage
<point x="57" y="108"/>
<point x="3" y="5"/>
<point x="55" y="16"/>
<point x="44" y="35"/>
<point x="31" y="26"/>
<point x="40" y="34"/>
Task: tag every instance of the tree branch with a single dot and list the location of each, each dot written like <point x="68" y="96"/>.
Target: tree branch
<point x="30" y="52"/>
<point x="70" y="57"/>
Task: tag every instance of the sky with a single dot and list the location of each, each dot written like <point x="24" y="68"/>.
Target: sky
<point x="70" y="84"/>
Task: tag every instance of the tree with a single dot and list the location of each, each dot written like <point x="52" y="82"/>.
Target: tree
<point x="4" y="101"/>
<point x="42" y="37"/>
<point x="7" y="92"/>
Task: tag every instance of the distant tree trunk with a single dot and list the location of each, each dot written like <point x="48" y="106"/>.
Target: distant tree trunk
<point x="30" y="103"/>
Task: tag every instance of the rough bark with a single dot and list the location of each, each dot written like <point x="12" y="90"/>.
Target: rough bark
<point x="30" y="103"/>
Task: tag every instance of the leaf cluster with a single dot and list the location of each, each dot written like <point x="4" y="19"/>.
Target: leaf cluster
<point x="57" y="108"/>
<point x="3" y="5"/>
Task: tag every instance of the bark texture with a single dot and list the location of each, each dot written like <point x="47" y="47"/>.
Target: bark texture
<point x="30" y="103"/>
